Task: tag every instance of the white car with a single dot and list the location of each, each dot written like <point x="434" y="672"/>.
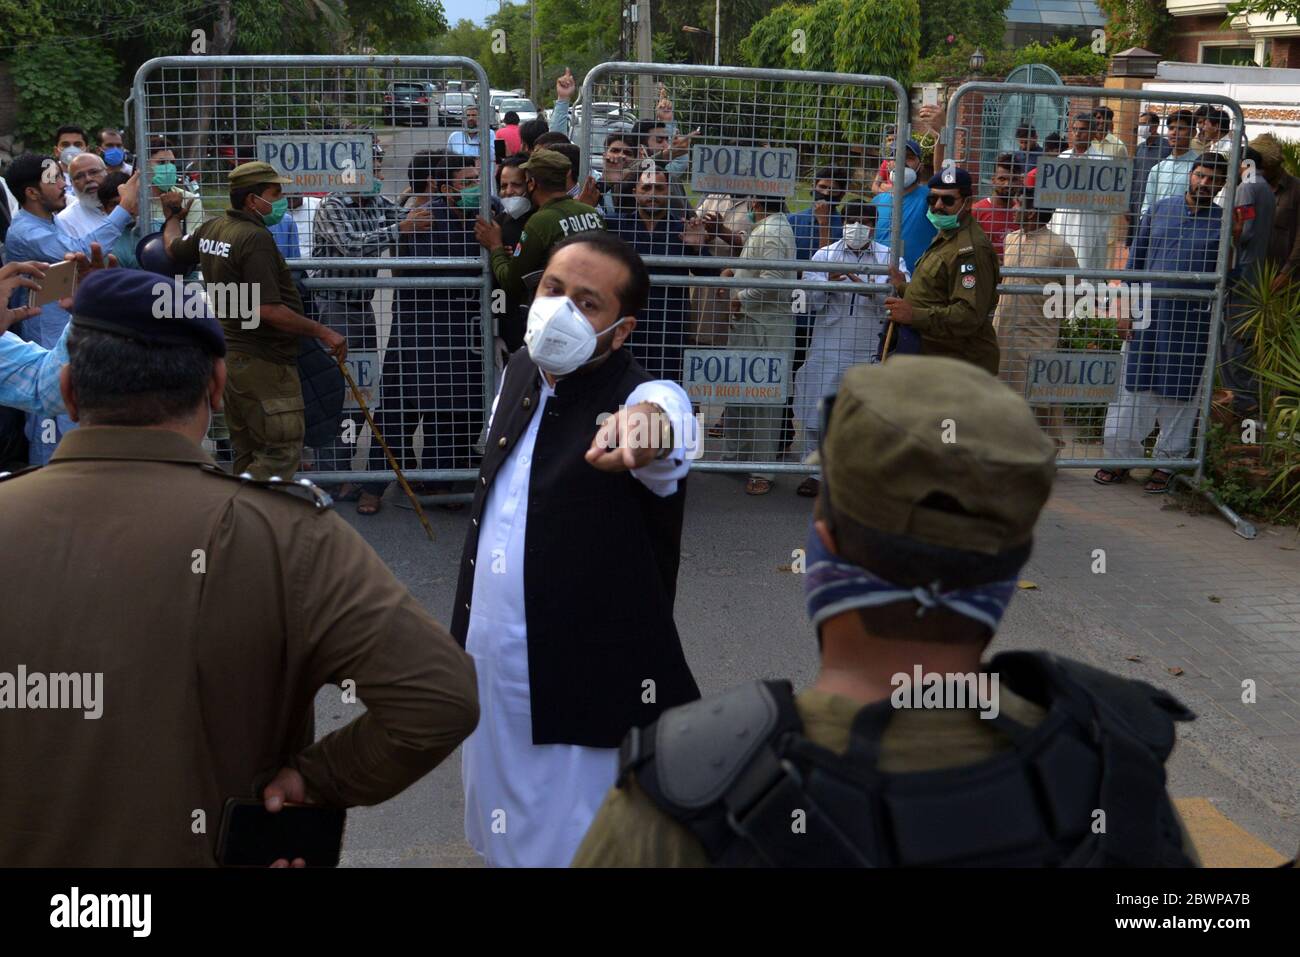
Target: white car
<point x="526" y="109"/>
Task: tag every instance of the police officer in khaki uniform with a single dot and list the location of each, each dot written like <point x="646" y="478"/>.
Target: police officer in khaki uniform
<point x="912" y="558"/>
<point x="193" y="635"/>
<point x="263" y="400"/>
<point x="954" y="286"/>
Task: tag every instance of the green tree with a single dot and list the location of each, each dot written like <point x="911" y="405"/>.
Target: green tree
<point x="1265" y="8"/>
<point x="769" y="40"/>
<point x="979" y="22"/>
<point x="1135" y="23"/>
<point x="395" y="26"/>
<point x="880" y="37"/>
<point x="507" y="68"/>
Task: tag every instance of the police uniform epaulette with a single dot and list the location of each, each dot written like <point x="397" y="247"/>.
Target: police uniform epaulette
<point x="6" y="476"/>
<point x="301" y="489"/>
<point x="966" y="249"/>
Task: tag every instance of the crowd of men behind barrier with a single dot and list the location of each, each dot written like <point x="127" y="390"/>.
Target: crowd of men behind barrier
<point x="540" y="684"/>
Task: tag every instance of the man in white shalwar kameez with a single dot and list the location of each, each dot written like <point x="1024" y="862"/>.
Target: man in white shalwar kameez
<point x="847" y="327"/>
<point x="1088" y="233"/>
<point x="529" y="804"/>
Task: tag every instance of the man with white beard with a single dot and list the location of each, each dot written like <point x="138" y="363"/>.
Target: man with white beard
<point x="79" y="219"/>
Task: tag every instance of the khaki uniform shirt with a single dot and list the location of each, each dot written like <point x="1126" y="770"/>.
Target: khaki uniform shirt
<point x="630" y="831"/>
<point x="238" y="248"/>
<point x="953" y="292"/>
<point x="215" y="609"/>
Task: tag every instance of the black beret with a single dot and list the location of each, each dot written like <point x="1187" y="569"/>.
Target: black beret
<point x="951" y="177"/>
<point x="146" y="307"/>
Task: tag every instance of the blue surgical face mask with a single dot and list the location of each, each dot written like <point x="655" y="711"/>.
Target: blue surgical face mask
<point x="114" y="155"/>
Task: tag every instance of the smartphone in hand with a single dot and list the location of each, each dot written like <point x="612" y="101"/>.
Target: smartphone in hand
<point x="251" y="836"/>
<point x="60" y="281"/>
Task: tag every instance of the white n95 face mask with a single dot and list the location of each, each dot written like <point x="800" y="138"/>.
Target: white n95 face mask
<point x="856" y="235"/>
<point x="516" y="206"/>
<point x="559" y="338"/>
<point x="909" y="177"/>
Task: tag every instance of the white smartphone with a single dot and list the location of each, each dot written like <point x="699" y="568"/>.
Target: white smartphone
<point x="60" y="281"/>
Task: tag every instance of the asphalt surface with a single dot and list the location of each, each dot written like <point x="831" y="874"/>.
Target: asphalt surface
<point x="740" y="615"/>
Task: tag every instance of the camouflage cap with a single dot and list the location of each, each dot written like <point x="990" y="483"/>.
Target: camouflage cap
<point x="937" y="450"/>
<point x="544" y="159"/>
<point x="254" y="174"/>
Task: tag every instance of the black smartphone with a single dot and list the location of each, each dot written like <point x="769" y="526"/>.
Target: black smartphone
<point x="251" y="836"/>
<point x="500" y="147"/>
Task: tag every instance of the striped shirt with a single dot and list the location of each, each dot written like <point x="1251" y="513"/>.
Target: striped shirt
<point x="348" y="227"/>
<point x="29" y="374"/>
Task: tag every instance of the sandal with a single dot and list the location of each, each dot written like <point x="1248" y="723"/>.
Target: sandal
<point x="368" y="503"/>
<point x="1109" y="476"/>
<point x="348" y="492"/>
<point x="808" y="488"/>
<point x="757" y="486"/>
<point x="1158" y="482"/>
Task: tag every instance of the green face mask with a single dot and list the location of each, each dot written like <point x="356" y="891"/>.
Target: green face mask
<point x="278" y="209"/>
<point x="942" y="220"/>
<point x="469" y="197"/>
<point x="164" y="175"/>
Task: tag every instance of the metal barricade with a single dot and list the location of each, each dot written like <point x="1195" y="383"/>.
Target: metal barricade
<point x="1114" y="283"/>
<point x="413" y="302"/>
<point x="709" y="173"/>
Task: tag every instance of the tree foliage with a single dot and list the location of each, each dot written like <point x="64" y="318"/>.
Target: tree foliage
<point x="70" y="51"/>
<point x="981" y="23"/>
<point x="1136" y="23"/>
<point x="1066" y="57"/>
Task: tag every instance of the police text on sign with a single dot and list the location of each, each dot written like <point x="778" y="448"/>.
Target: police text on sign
<point x="1093" y="183"/>
<point x="1073" y="377"/>
<point x="321" y="163"/>
<point x="736" y="377"/>
<point x="748" y="170"/>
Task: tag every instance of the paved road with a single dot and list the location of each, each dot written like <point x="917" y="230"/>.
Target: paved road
<point x="741" y="617"/>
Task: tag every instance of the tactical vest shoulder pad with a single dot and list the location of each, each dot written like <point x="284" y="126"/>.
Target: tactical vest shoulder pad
<point x="1133" y="707"/>
<point x="700" y="749"/>
<point x="301" y="489"/>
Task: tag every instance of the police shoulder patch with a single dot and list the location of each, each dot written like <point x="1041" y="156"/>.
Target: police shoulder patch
<point x="301" y="489"/>
<point x="965" y="249"/>
<point x="968" y="281"/>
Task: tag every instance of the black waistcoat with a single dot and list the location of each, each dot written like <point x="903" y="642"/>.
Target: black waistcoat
<point x="600" y="565"/>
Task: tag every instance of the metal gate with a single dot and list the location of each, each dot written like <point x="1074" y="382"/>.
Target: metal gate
<point x="414" y="305"/>
<point x="1113" y="290"/>
<point x="709" y="173"/>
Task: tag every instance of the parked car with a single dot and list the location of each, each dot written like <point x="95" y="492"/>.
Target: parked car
<point x="526" y="109"/>
<point x="451" y="112"/>
<point x="411" y="102"/>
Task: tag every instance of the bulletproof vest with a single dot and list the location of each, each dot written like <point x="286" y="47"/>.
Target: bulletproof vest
<point x="1083" y="788"/>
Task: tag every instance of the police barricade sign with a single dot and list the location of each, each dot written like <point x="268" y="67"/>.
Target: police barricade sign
<point x="736" y="377"/>
<point x="365" y="368"/>
<point x="754" y="171"/>
<point x="321" y="163"/>
<point x="1074" y="377"/>
<point x="1086" y="183"/>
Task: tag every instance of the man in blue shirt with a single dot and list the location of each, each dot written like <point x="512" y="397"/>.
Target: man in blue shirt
<point x="656" y="229"/>
<point x="1165" y="352"/>
<point x="29" y="373"/>
<point x="37" y="183"/>
<point x="917" y="229"/>
<point x="1151" y="149"/>
<point x="819" y="225"/>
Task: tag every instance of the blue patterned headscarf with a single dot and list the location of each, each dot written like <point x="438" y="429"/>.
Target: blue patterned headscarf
<point x="833" y="586"/>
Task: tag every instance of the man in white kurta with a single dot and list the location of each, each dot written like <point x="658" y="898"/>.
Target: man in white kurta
<point x="847" y="326"/>
<point x="529" y="805"/>
<point x="1088" y="233"/>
